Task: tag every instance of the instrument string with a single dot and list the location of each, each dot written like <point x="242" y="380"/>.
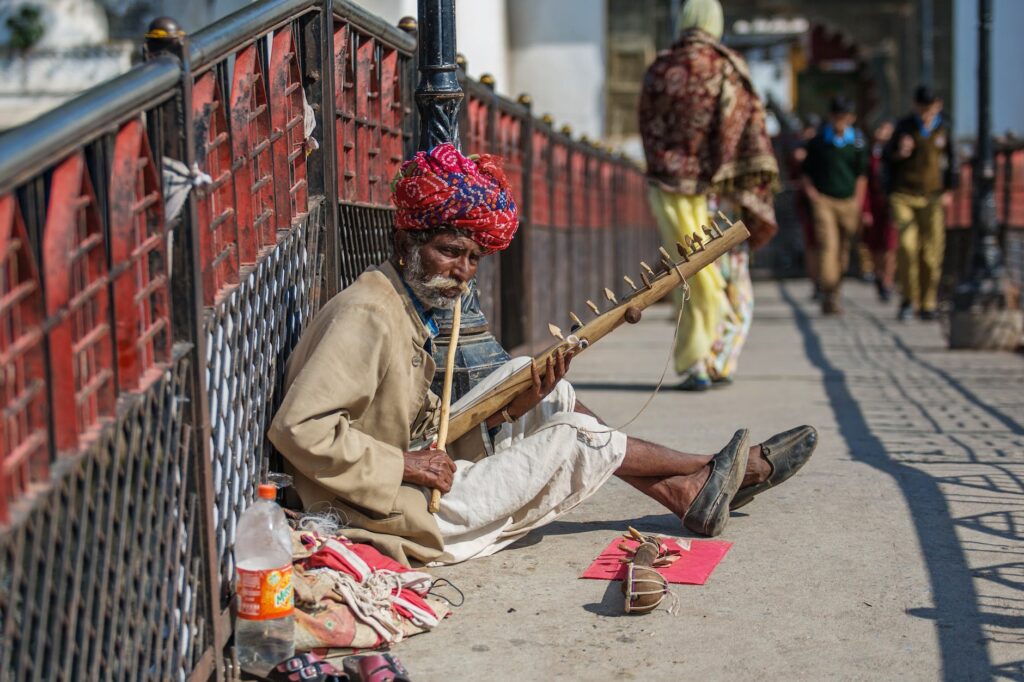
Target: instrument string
<point x="657" y="387"/>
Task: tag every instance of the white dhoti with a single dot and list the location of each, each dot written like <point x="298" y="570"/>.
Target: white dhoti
<point x="538" y="469"/>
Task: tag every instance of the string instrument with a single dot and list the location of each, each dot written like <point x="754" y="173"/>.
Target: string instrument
<point x="697" y="252"/>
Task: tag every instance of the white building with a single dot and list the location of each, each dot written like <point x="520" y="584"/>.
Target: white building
<point x="553" y="50"/>
<point x="72" y="54"/>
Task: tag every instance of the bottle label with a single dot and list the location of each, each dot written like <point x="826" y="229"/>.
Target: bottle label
<point x="267" y="594"/>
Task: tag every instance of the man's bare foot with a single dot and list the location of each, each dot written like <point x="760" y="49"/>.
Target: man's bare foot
<point x="758" y="468"/>
<point x="680" y="491"/>
<point x="676" y="493"/>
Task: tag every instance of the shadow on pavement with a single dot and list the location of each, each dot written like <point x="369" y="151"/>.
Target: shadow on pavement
<point x="957" y="614"/>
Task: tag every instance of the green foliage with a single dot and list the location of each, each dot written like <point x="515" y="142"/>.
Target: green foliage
<point x="26" y="25"/>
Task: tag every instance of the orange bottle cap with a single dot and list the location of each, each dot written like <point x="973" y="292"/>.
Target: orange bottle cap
<point x="267" y="491"/>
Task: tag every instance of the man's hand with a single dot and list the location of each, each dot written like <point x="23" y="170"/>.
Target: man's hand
<point x="809" y="189"/>
<point x="947" y="200"/>
<point x="556" y="368"/>
<point x="429" y="468"/>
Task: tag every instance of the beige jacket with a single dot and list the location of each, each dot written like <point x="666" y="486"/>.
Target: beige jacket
<point x="357" y="391"/>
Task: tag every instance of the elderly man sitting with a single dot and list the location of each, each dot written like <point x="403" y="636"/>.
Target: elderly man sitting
<point x="358" y="400"/>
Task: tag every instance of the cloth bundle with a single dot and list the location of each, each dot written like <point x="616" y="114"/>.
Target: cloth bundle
<point x="350" y="596"/>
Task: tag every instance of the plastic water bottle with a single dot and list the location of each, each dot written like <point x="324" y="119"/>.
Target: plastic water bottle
<point x="265" y="626"/>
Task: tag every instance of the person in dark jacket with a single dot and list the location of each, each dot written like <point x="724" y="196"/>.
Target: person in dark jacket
<point x="835" y="181"/>
<point x="922" y="172"/>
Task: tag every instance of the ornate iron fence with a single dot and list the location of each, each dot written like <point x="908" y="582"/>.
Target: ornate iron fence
<point x="1009" y="195"/>
<point x="164" y="239"/>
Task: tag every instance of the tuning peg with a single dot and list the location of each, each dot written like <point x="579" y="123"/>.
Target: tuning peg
<point x="645" y="279"/>
<point x="555" y="332"/>
<point x="577" y="322"/>
<point x="709" y="233"/>
<point x="590" y="304"/>
<point x="698" y="245"/>
<point x="726" y="219"/>
<point x="664" y="254"/>
<point x="629" y="282"/>
<point x="610" y="296"/>
<point x="647" y="269"/>
<point x="681" y="248"/>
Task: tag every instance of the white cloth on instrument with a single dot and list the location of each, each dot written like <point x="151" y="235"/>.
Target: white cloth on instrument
<point x="538" y="469"/>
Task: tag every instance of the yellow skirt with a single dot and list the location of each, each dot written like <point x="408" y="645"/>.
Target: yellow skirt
<point x="716" y="319"/>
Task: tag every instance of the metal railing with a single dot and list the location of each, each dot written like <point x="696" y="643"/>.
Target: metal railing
<point x="144" y="331"/>
<point x="1009" y="197"/>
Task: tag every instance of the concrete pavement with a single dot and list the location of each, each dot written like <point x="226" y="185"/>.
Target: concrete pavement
<point x="897" y="553"/>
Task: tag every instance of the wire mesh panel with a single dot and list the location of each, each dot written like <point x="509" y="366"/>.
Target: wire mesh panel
<point x="23" y="426"/>
<point x="103" y="578"/>
<point x="249" y="335"/>
<point x="365" y="238"/>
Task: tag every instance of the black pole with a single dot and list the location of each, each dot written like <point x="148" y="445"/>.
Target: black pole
<point x="984" y="285"/>
<point x="927" y="10"/>
<point x="438" y="100"/>
<point x="438" y="94"/>
<point x="981" y="316"/>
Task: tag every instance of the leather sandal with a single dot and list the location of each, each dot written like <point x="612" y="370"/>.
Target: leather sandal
<point x="785" y="452"/>
<point x="709" y="512"/>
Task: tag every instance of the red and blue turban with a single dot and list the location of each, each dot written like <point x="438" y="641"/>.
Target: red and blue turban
<point x="443" y="188"/>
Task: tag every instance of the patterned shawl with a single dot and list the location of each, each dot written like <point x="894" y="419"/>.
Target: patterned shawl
<point x="703" y="129"/>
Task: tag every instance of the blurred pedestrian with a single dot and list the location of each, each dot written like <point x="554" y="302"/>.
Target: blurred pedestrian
<point x="835" y="179"/>
<point x="703" y="130"/>
<point x="879" y="231"/>
<point x="923" y="173"/>
<point x="801" y="203"/>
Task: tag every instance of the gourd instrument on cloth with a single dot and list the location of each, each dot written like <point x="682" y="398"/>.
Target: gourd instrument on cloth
<point x="643" y="587"/>
<point x="698" y="252"/>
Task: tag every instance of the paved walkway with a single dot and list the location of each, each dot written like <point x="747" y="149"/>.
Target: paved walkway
<point x="897" y="553"/>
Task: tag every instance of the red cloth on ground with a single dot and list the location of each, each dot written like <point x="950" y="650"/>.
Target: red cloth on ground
<point x="693" y="567"/>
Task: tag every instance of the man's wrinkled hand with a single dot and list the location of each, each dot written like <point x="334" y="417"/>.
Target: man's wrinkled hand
<point x="555" y="369"/>
<point x="429" y="468"/>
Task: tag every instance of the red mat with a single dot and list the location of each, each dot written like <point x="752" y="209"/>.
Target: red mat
<point x="693" y="567"/>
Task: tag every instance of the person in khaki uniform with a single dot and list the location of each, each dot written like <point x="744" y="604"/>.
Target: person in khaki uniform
<point x="922" y="172"/>
<point x="835" y="179"/>
<point x="357" y="418"/>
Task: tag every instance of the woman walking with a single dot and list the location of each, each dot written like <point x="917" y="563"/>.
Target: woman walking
<point x="704" y="136"/>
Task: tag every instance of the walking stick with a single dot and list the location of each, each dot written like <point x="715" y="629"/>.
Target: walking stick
<point x="446" y="396"/>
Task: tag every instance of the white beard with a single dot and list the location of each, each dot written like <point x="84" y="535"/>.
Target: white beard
<point x="428" y="290"/>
